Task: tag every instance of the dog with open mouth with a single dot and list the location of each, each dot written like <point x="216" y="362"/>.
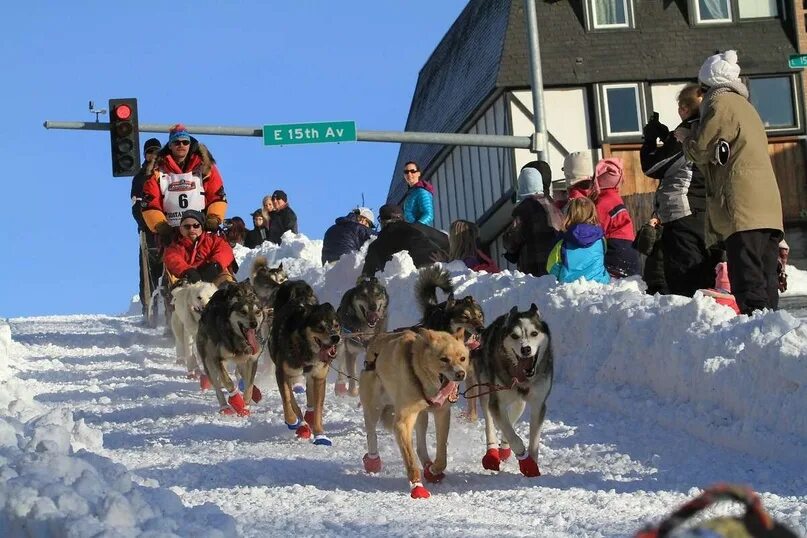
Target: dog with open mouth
<point x="189" y="301"/>
<point x="450" y="316"/>
<point x="516" y="352"/>
<point x="362" y="314"/>
<point x="304" y="341"/>
<point x="406" y="376"/>
<point x="229" y="331"/>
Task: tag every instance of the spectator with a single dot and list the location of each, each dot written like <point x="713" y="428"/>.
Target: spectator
<point x="185" y="176"/>
<point x="267" y="208"/>
<point x="259" y="233"/>
<point x="581" y="252"/>
<point x="236" y="232"/>
<point x="579" y="174"/>
<point x="680" y="200"/>
<point x="744" y="207"/>
<point x="347" y="234"/>
<point x="283" y="218"/>
<point x="418" y="204"/>
<point x="198" y="254"/>
<point x="150" y="258"/>
<point x="463" y="245"/>
<point x="621" y="259"/>
<point x="649" y="242"/>
<point x="425" y="244"/>
<point x="536" y="221"/>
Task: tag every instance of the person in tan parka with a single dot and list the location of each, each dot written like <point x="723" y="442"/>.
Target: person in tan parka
<point x="744" y="208"/>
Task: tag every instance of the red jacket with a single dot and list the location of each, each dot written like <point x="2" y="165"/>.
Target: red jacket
<point x="201" y="164"/>
<point x="613" y="215"/>
<point x="183" y="254"/>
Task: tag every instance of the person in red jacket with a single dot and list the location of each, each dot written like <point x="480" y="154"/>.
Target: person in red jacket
<point x="197" y="254"/>
<point x="185" y="177"/>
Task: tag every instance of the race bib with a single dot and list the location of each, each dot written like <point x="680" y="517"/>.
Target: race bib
<point x="180" y="193"/>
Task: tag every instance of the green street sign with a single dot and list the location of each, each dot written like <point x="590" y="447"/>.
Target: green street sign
<point x="309" y="133"/>
<point x="797" y="61"/>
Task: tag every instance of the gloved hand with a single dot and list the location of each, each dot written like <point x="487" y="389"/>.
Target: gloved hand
<point x="212" y="223"/>
<point x="209" y="271"/>
<point x="655" y="130"/>
<point x="165" y="231"/>
<point x="192" y="276"/>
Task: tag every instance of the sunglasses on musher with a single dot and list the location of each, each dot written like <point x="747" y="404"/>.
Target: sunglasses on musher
<point x="189" y="226"/>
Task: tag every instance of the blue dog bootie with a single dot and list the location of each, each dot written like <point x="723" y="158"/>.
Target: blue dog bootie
<point x="322" y="440"/>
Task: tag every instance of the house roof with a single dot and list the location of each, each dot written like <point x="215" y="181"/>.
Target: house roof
<point x="486" y="50"/>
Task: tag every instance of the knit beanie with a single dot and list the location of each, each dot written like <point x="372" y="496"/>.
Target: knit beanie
<point x="610" y="173"/>
<point x="577" y="167"/>
<point x="720" y="69"/>
<point x="178" y="132"/>
<point x="530" y="182"/>
<point x="198" y="216"/>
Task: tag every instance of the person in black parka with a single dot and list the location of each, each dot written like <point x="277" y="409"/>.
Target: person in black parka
<point x="425" y="244"/>
<point x="347" y="234"/>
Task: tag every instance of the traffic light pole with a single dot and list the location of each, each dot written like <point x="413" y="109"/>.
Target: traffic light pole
<point x="450" y="139"/>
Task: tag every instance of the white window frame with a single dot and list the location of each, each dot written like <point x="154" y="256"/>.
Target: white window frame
<point x="591" y="24"/>
<point x="779" y="11"/>
<point x="604" y="119"/>
<point x="695" y="10"/>
<point x="795" y="102"/>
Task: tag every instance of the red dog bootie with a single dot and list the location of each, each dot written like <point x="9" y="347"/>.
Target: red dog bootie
<point x="257" y="395"/>
<point x="204" y="382"/>
<point x="490" y="461"/>
<point x="227" y="411"/>
<point x="430" y="476"/>
<point x="418" y="491"/>
<point x="372" y="464"/>
<point x="528" y="466"/>
<point x="309" y="416"/>
<point x="304" y="431"/>
<point x="340" y="389"/>
<point x="236" y="401"/>
<point x="505" y="453"/>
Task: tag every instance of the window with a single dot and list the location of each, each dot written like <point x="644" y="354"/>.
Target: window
<point x="609" y="14"/>
<point x="775" y="100"/>
<point x="726" y="11"/>
<point x="621" y="110"/>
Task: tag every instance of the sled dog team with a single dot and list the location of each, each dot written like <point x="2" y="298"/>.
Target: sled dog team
<point x="409" y="373"/>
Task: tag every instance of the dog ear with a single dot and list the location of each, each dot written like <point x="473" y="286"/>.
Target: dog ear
<point x="459" y="335"/>
<point x="534" y="309"/>
<point x="280" y="267"/>
<point x="450" y="301"/>
<point x="511" y="315"/>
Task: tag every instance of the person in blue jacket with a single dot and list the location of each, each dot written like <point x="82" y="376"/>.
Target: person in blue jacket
<point x="347" y="234"/>
<point x="418" y="206"/>
<point x="581" y="251"/>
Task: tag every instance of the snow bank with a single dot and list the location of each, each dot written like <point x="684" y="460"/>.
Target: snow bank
<point x="733" y="380"/>
<point x="53" y="482"/>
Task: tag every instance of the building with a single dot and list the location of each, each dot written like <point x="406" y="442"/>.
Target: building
<point x="607" y="65"/>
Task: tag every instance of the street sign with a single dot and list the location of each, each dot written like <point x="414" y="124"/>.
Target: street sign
<point x="797" y="61"/>
<point x="309" y="133"/>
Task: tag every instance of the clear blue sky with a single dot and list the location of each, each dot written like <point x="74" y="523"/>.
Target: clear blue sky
<point x="68" y="241"/>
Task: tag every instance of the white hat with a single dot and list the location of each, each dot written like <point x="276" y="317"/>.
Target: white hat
<point x="577" y="167"/>
<point x="719" y="69"/>
<point x="367" y="213"/>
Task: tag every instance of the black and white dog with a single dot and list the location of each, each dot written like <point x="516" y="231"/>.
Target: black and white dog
<point x="516" y="352"/>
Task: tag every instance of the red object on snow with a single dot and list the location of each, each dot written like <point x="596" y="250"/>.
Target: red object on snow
<point x="304" y="431"/>
<point x="490" y="460"/>
<point x="236" y="401"/>
<point x="309" y="416"/>
<point x="204" y="382"/>
<point x="505" y="453"/>
<point x="371" y="465"/>
<point x="257" y="395"/>
<point x="431" y="477"/>
<point x="419" y="492"/>
<point x="529" y="467"/>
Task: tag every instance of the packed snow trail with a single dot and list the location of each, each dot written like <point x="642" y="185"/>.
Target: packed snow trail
<point x="649" y="404"/>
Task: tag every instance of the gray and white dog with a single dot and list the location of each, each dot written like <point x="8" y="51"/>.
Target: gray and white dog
<point x="266" y="282"/>
<point x="363" y="314"/>
<point x="516" y="352"/>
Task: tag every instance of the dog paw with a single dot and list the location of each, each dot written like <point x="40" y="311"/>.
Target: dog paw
<point x="430" y="476"/>
<point x="528" y="466"/>
<point x="490" y="461"/>
<point x="309" y="416"/>
<point x="505" y="453"/>
<point x="303" y="431"/>
<point x="372" y="464"/>
<point x="353" y="391"/>
<point x="204" y="382"/>
<point x="192" y="375"/>
<point x="257" y="395"/>
<point x="340" y="389"/>
<point x="322" y="440"/>
<point x="419" y="492"/>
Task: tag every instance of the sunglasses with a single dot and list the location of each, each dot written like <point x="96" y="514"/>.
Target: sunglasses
<point x="411" y="171"/>
<point x="181" y="142"/>
<point x="189" y="226"/>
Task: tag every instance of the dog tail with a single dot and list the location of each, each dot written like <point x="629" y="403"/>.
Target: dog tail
<point x="260" y="263"/>
<point x="427" y="283"/>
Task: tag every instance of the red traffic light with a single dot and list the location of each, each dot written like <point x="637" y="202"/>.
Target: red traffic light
<point x="123" y="112"/>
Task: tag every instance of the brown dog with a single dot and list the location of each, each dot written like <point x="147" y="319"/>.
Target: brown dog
<point x="406" y="375"/>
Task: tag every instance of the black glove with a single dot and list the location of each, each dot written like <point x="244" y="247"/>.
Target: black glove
<point x="655" y="130"/>
<point x="212" y="224"/>
<point x="166" y="232"/>
<point x="209" y="271"/>
<point x="192" y="275"/>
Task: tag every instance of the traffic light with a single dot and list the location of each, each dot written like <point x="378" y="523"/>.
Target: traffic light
<point x="125" y="137"/>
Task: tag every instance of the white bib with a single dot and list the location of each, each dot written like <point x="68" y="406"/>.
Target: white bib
<point x="180" y="193"/>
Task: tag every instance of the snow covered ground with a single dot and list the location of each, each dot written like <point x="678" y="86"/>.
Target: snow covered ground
<point x="655" y="397"/>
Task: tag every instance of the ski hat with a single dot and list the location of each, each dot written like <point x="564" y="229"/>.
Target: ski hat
<point x="152" y="143"/>
<point x="535" y="178"/>
<point x="722" y="277"/>
<point x="178" y="132"/>
<point x="280" y="195"/>
<point x="367" y="213"/>
<point x="610" y="173"/>
<point x="720" y="69"/>
<point x="257" y="213"/>
<point x="390" y="212"/>
<point x="577" y="167"/>
<point x="193" y="214"/>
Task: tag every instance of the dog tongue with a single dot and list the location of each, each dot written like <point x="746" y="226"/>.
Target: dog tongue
<point x="326" y="354"/>
<point x="447" y="392"/>
<point x="252" y="340"/>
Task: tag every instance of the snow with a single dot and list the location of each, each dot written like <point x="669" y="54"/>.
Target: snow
<point x="655" y="398"/>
